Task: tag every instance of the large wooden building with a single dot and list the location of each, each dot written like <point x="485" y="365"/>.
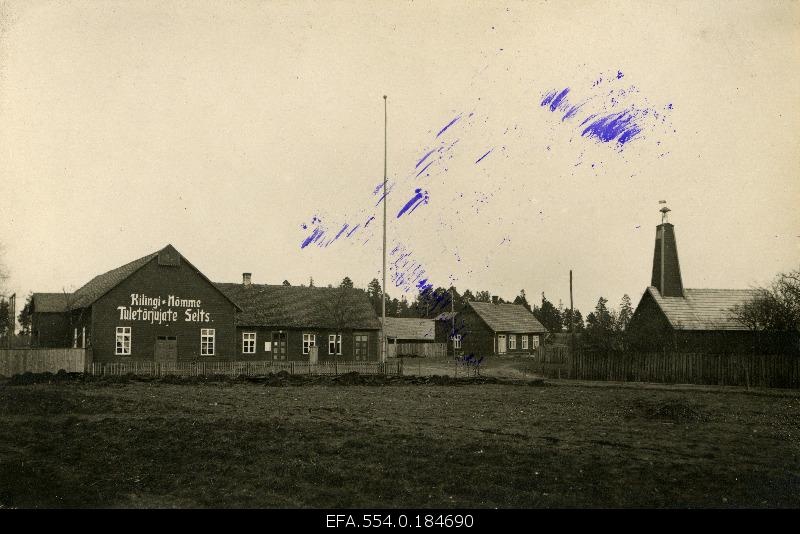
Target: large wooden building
<point x="162" y="308"/>
<point x="671" y="317"/>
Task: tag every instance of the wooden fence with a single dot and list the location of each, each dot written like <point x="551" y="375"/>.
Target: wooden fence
<point x="757" y="370"/>
<point x="422" y="350"/>
<point x="17" y="361"/>
<point x="242" y="368"/>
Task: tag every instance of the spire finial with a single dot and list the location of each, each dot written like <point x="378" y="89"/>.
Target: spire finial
<point x="664" y="211"/>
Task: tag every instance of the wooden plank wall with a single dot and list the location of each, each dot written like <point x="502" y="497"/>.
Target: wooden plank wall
<point x="750" y="370"/>
<point x="17" y="361"/>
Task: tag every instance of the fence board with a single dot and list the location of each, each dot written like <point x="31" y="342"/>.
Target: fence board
<point x="241" y="368"/>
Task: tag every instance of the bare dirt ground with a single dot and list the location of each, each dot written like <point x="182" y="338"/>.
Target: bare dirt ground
<point x="241" y="444"/>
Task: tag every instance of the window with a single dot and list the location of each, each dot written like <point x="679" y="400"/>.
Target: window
<point x="360" y="345"/>
<point x="248" y="342"/>
<point x="535" y="341"/>
<point x="309" y="340"/>
<point x="207" y="341"/>
<point x="123" y="341"/>
<point x="457" y="341"/>
<point x="524" y="339"/>
<point x="334" y="344"/>
<point x="512" y="341"/>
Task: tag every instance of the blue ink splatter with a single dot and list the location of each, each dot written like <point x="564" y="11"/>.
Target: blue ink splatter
<point x="424" y="158"/>
<point x="487" y="153"/>
<point x="315" y="236"/>
<point x="420" y="197"/>
<point x="555" y="101"/>
<point x="449" y="124"/>
<point x="424" y="168"/>
<point x="620" y="126"/>
<point x="619" y="74"/>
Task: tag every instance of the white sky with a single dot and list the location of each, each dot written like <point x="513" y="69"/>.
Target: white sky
<point x="223" y="127"/>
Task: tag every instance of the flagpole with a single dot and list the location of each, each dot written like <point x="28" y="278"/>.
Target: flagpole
<point x="385" y="200"/>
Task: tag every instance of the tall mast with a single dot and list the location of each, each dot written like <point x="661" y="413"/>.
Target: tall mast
<point x="385" y="200"/>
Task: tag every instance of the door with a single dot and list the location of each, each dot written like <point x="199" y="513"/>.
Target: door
<point x="279" y="345"/>
<point x="501" y="344"/>
<point x="166" y="349"/>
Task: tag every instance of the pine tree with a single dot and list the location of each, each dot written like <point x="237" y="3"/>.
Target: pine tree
<point x="625" y="313"/>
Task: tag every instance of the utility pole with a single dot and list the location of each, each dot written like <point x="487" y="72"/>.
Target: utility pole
<point x="385" y="200"/>
<point x="571" y="314"/>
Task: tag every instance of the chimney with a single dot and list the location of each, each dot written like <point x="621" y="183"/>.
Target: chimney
<point x="666" y="269"/>
<point x="246" y="279"/>
<point x="495" y="300"/>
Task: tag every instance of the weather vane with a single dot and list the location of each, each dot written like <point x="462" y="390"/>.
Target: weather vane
<point x="664" y="211"/>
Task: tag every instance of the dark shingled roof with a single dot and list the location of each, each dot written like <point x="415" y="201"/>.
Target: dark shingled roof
<point x="51" y="302"/>
<point x="411" y="328"/>
<point x="299" y="307"/>
<point x="703" y="309"/>
<point x="103" y="283"/>
<point x="512" y="318"/>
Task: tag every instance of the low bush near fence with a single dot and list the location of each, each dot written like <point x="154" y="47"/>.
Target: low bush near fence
<point x="281" y="379"/>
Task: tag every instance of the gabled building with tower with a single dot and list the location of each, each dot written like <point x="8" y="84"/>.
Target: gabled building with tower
<point x="672" y="317"/>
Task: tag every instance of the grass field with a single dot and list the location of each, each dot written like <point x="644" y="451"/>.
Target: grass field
<point x="239" y="444"/>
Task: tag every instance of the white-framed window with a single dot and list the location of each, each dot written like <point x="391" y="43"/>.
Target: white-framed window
<point x="248" y="342"/>
<point x="207" y="341"/>
<point x="75" y="339"/>
<point x="123" y="341"/>
<point x="512" y="341"/>
<point x="334" y="344"/>
<point x="524" y="339"/>
<point x="457" y="341"/>
<point x="535" y="341"/>
<point x="309" y="340"/>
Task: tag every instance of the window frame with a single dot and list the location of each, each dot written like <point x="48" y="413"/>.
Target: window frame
<point x="524" y="341"/>
<point x="535" y="341"/>
<point x="456" y="341"/>
<point x="119" y="346"/>
<point x="358" y="344"/>
<point x="309" y="340"/>
<point x="512" y="342"/>
<point x="335" y="341"/>
<point x="249" y="342"/>
<point x="205" y="343"/>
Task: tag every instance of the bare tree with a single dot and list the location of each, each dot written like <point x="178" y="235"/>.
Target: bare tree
<point x="772" y="309"/>
<point x="340" y="308"/>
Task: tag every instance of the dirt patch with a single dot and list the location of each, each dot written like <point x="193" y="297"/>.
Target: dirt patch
<point x="672" y="410"/>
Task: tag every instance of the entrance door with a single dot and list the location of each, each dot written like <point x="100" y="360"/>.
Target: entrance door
<point x="501" y="344"/>
<point x="279" y="345"/>
<point x="166" y="349"/>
